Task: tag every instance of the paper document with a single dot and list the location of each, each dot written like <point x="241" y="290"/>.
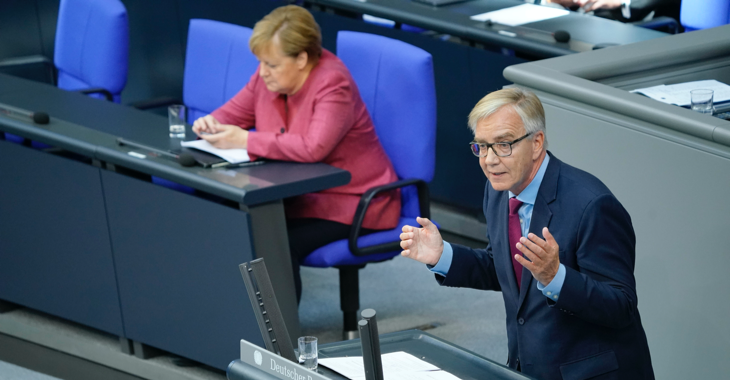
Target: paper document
<point x="521" y="14"/>
<point x="234" y="156"/>
<point x="679" y="93"/>
<point x="396" y="366"/>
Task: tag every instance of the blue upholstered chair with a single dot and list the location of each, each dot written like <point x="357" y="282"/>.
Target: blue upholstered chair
<point x="703" y="14"/>
<point x="218" y="63"/>
<point x="91" y="49"/>
<point x="396" y="83"/>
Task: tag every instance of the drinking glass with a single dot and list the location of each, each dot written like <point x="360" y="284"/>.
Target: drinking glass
<point x="176" y="114"/>
<point x="702" y="101"/>
<point x="308" y="352"/>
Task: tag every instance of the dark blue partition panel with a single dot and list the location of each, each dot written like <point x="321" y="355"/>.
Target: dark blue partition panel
<point x="55" y="253"/>
<point x="177" y="259"/>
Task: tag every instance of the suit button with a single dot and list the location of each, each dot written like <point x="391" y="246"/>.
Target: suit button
<point x="521" y="321"/>
<point x="283" y="130"/>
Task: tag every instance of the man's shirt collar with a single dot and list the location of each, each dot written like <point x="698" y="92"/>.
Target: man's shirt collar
<point x="530" y="193"/>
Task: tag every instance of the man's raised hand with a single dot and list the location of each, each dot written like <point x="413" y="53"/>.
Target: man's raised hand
<point x="422" y="244"/>
<point x="543" y="255"/>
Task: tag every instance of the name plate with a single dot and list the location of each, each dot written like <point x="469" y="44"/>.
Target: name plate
<point x="275" y="365"/>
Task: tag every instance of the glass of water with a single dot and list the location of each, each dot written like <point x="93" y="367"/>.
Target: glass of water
<point x="308" y="352"/>
<point x="702" y="101"/>
<point x="176" y="114"/>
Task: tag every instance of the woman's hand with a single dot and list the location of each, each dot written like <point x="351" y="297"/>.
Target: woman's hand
<point x="206" y="124"/>
<point x="226" y="136"/>
<point x="592" y="5"/>
<point x="221" y="136"/>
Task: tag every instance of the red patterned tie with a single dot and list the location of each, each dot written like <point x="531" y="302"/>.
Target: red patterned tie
<point x="515" y="232"/>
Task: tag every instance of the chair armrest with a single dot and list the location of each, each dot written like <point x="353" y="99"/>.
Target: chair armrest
<point x="26" y="60"/>
<point x="97" y="90"/>
<point x="423" y="203"/>
<point x="662" y="23"/>
<point x="154" y="103"/>
<point x="30" y="60"/>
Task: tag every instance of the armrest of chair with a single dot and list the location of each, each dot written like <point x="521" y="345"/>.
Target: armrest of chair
<point x="154" y="103"/>
<point x="423" y="203"/>
<point x="662" y="24"/>
<point x="26" y="60"/>
<point x="30" y="60"/>
<point x="97" y="90"/>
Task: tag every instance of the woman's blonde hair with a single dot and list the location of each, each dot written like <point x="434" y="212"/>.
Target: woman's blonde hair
<point x="296" y="29"/>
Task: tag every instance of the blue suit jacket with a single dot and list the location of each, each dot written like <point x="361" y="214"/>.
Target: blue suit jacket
<point x="593" y="330"/>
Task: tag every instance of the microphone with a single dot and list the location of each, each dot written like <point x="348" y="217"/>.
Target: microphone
<point x="561" y="36"/>
<point x="603" y="45"/>
<point x="41" y="118"/>
<point x="187" y="160"/>
<point x="36" y="117"/>
<point x="136" y="145"/>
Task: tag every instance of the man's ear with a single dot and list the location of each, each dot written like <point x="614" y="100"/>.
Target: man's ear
<point x="538" y="144"/>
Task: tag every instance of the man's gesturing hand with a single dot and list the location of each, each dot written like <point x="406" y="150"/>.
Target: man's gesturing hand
<point x="422" y="244"/>
<point x="543" y="254"/>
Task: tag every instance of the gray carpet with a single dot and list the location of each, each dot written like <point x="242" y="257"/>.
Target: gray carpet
<point x="12" y="372"/>
<point x="405" y="295"/>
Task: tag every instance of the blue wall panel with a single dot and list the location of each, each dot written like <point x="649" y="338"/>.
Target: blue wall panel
<point x="177" y="257"/>
<point x="55" y="253"/>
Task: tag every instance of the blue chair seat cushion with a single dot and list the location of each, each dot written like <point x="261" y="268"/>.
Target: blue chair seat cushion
<point x="172" y="185"/>
<point x="14" y="138"/>
<point x="338" y="253"/>
<point x="19" y="140"/>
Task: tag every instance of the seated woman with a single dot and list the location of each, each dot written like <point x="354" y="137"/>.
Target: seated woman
<point x="306" y="107"/>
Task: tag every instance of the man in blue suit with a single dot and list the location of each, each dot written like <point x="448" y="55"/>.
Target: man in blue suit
<point x="561" y="251"/>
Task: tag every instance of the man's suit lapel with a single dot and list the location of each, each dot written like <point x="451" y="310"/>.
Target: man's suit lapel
<point x="541" y="215"/>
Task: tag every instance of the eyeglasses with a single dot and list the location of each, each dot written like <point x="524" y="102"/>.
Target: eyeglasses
<point x="501" y="149"/>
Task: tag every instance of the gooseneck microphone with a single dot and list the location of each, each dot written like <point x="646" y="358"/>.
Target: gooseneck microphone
<point x="184" y="159"/>
<point x="559" y="35"/>
<point x="18" y="113"/>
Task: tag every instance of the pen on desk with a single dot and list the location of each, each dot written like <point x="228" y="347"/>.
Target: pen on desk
<point x="122" y="141"/>
<point x="227" y="165"/>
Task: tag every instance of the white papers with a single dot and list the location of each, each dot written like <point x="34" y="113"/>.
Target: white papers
<point x="234" y="156"/>
<point x="679" y="93"/>
<point x="521" y="14"/>
<point x="396" y="366"/>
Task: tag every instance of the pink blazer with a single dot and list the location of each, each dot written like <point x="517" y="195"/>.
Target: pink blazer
<point x="325" y="121"/>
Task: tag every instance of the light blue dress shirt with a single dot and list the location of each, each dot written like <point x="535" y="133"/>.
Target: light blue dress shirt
<point x="527" y="197"/>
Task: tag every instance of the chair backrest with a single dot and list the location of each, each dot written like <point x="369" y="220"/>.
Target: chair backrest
<point x="218" y="63"/>
<point x="92" y="45"/>
<point x="396" y="82"/>
<point x="703" y="14"/>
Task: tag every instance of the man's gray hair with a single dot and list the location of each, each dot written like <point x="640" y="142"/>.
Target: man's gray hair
<point x="524" y="102"/>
